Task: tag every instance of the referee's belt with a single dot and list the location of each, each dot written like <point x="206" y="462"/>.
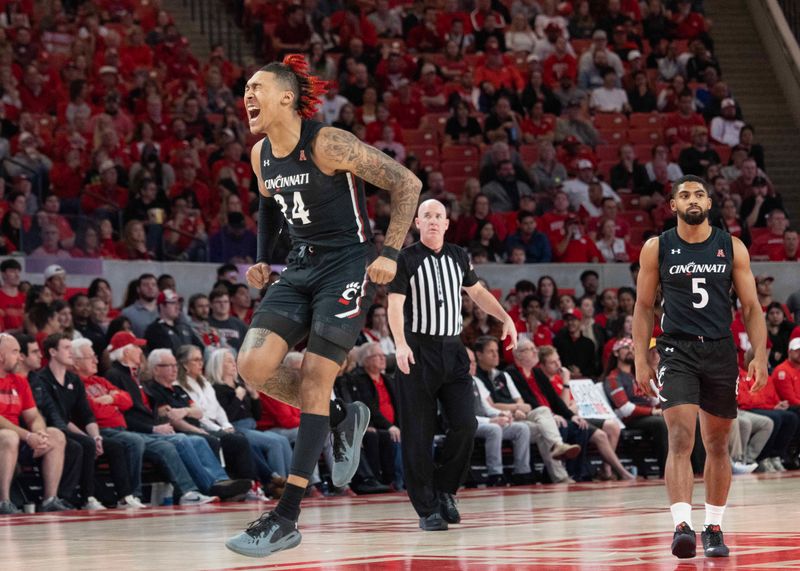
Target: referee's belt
<point x="690" y="337"/>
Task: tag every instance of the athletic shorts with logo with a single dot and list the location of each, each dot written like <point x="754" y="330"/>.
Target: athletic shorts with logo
<point x="322" y="293"/>
<point x="705" y="373"/>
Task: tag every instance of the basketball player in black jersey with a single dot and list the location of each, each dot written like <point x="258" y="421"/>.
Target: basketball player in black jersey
<point x="696" y="264"/>
<point x="311" y="175"/>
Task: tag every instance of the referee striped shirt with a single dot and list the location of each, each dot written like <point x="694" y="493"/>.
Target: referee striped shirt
<point x="432" y="282"/>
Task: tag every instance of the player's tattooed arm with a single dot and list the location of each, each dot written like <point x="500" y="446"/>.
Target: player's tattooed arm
<point x="338" y="150"/>
<point x="284" y="384"/>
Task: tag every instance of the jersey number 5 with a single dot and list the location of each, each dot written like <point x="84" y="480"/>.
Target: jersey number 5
<point x="697" y="289"/>
<point x="298" y="208"/>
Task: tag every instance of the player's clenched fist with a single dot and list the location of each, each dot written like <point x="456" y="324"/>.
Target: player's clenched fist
<point x="382" y="270"/>
<point x="258" y="275"/>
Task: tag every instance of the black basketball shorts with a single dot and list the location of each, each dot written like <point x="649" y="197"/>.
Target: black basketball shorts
<point x="705" y="373"/>
<point x="322" y="293"/>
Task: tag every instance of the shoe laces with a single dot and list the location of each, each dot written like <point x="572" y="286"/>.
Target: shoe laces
<point x="266" y="521"/>
<point x="338" y="445"/>
<point x="714" y="534"/>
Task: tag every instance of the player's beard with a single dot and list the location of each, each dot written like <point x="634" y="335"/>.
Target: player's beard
<point x="693" y="218"/>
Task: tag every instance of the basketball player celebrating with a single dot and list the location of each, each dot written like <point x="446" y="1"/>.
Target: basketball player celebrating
<point x="696" y="264"/>
<point x="309" y="174"/>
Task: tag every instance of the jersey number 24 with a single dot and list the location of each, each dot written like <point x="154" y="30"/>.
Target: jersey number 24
<point x="299" y="211"/>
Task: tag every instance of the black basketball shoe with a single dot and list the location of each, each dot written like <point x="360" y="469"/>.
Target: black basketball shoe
<point x="684" y="542"/>
<point x="713" y="542"/>
<point x="448" y="509"/>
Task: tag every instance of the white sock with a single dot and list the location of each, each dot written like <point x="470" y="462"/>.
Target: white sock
<point x="714" y="515"/>
<point x="681" y="512"/>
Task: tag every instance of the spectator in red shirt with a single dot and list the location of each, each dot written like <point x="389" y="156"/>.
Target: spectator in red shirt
<point x="481" y="210"/>
<point x="136" y="51"/>
<point x="688" y="24"/>
<point x="790" y="251"/>
<point x="482" y="9"/>
<point x="12" y="301"/>
<point x="576" y="246"/>
<point x="407" y="109"/>
<point x="430" y="90"/>
<point x="133" y="245"/>
<point x="553" y="222"/>
<point x="786" y="376"/>
<point x="105" y="196"/>
<point x="353" y="23"/>
<point x="498" y="72"/>
<point x="34" y="442"/>
<point x="770" y="245"/>
<point x="293" y="34"/>
<point x="679" y="125"/>
<point x="34" y="95"/>
<point x="424" y="37"/>
<point x="369" y="384"/>
<point x="559" y="64"/>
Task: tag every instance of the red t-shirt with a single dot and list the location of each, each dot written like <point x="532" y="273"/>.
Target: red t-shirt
<point x="107" y="415"/>
<point x="384" y="400"/>
<point x="678" y="128"/>
<point x="786" y="378"/>
<point x="768" y="245"/>
<point x="15" y="397"/>
<point x="12" y="310"/>
<point x="581" y="251"/>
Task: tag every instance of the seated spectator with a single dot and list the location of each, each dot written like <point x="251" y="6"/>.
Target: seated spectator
<point x="481" y="210"/>
<point x="577" y="189"/>
<point x="577" y="350"/>
<point x="637" y="411"/>
<point x="538" y="125"/>
<point x="505" y="191"/>
<point x="486" y="239"/>
<point x="733" y="169"/>
<point x="612" y="248"/>
<point x="779" y="330"/>
<point x="271" y="452"/>
<point x="481" y="324"/>
<point x="233" y="242"/>
<point x="407" y="109"/>
<point x="489" y="36"/>
<point x="83" y="322"/>
<point x="496" y="154"/>
<point x="641" y="97"/>
<point x="757" y="208"/>
<point x="230" y="328"/>
<point x="573" y="124"/>
<point x="503" y="124"/>
<point x="754" y="150"/>
<point x="369" y="384"/>
<point x="661" y="153"/>
<point x="534" y="243"/>
<point x="560" y="62"/>
<point x="436" y="189"/>
<point x="791" y="249"/>
<point x="629" y="173"/>
<point x="389" y="146"/>
<point x="461" y="128"/>
<point x="767" y="402"/>
<point x="786" y="376"/>
<point x="770" y="245"/>
<point x="106" y="196"/>
<point x="743" y="186"/>
<point x="547" y="173"/>
<point x="519" y="36"/>
<point x="169" y="331"/>
<point x="749" y="435"/>
<point x="726" y="128"/>
<point x="376" y="329"/>
<point x="733" y="223"/>
<point x="700" y="155"/>
<point x="133" y="245"/>
<point x="581" y="23"/>
<point x="387" y="22"/>
<point x="679" y="126"/>
<point x="424" y="37"/>
<point x="51" y="246"/>
<point x="700" y="61"/>
<point x="609" y="97"/>
<point x="12" y="300"/>
<point x="495" y="71"/>
<point x="241" y="302"/>
<point x="430" y="89"/>
<point x="184" y="235"/>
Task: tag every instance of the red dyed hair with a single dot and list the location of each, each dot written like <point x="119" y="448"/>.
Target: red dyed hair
<point x="311" y="87"/>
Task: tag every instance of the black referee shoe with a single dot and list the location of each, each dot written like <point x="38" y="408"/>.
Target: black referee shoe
<point x="448" y="509"/>
<point x="713" y="542"/>
<point x="433" y="522"/>
<point x="684" y="542"/>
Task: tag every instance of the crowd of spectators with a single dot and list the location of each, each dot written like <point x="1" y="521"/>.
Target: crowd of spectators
<point x="120" y="144"/>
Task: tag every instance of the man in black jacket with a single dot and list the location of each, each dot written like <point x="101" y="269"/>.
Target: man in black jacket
<point x="205" y="469"/>
<point x="369" y="385"/>
<point x="576" y="350"/>
<point x="68" y="410"/>
<point x="169" y="331"/>
<point x="83" y="322"/>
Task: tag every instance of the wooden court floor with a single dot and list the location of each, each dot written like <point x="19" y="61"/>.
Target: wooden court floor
<point x="581" y="526"/>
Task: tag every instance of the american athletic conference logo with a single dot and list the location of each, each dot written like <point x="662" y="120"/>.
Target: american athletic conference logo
<point x="353" y="290"/>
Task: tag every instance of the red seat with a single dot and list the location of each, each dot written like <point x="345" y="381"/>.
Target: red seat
<point x="580" y="46"/>
<point x="651" y="136"/>
<point x="637" y="234"/>
<point x="638" y="218"/>
<point x="610" y="121"/>
<point x="724" y="152"/>
<point x="459" y="169"/>
<point x="643" y="152"/>
<point x="529" y="154"/>
<point x="630" y="201"/>
<point x="614" y="137"/>
<point x="675" y="150"/>
<point x="607" y="153"/>
<point x="426" y="136"/>
<point x="645" y="121"/>
<point x="428" y="155"/>
<point x="455" y="184"/>
<point x="604" y="169"/>
<point x="460" y="153"/>
<point x="435" y="121"/>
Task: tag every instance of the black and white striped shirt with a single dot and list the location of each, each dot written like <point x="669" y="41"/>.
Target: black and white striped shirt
<point x="432" y="285"/>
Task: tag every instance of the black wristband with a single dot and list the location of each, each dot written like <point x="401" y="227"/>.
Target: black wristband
<point x="389" y="252"/>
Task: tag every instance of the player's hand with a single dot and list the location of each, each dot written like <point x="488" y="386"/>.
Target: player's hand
<point x="258" y="275"/>
<point x="510" y="331"/>
<point x="646" y="378"/>
<point x="382" y="270"/>
<point x="758" y="371"/>
<point x="405" y="358"/>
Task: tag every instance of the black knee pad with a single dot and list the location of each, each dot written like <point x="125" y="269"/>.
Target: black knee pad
<point x="289" y="330"/>
<point x="329" y="341"/>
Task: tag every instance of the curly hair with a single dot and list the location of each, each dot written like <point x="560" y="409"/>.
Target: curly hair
<point x="307" y="88"/>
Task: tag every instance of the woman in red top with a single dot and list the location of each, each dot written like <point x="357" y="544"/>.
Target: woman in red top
<point x="481" y="210"/>
<point x="133" y="245"/>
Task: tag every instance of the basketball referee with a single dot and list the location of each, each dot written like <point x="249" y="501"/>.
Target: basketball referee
<point x="425" y="319"/>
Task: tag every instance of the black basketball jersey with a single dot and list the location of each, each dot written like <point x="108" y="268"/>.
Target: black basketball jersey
<point x="322" y="210"/>
<point x="696" y="284"/>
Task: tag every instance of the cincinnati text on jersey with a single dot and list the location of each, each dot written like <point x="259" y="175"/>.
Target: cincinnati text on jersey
<point x="692" y="268"/>
<point x="279" y="182"/>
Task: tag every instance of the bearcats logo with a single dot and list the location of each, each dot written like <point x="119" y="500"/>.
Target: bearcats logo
<point x="350" y="292"/>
